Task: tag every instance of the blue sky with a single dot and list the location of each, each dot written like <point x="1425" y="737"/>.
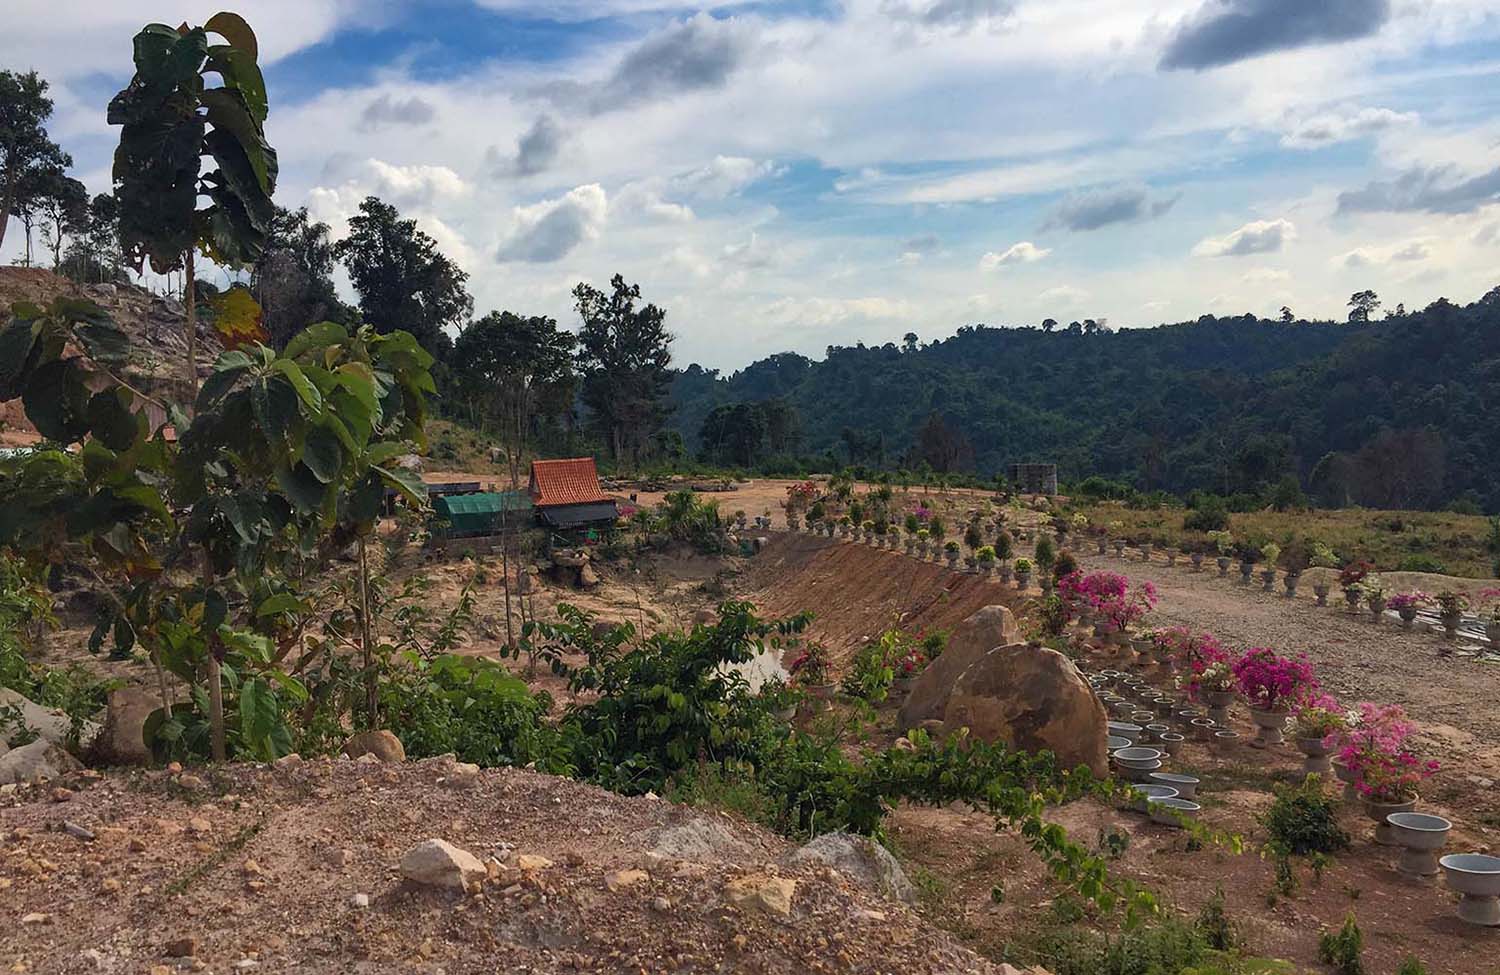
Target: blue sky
<point x="792" y="175"/>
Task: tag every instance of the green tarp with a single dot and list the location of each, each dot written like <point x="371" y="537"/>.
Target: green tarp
<point x="482" y="514"/>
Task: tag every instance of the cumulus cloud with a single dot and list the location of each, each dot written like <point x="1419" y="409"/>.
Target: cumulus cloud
<point x="1065" y="294"/>
<point x="1256" y="237"/>
<point x="1415" y="251"/>
<point x="536" y="150"/>
<point x="1092" y="209"/>
<point x="724" y="176"/>
<point x="1265" y="275"/>
<point x="389" y="110"/>
<point x="750" y="254"/>
<point x="1024" y="252"/>
<point x="1488" y="234"/>
<point x="550" y="230"/>
<point x="698" y="54"/>
<point x="1409" y="253"/>
<point x="1225" y="31"/>
<point x="957" y="14"/>
<point x="1432" y="189"/>
<point x="347" y="182"/>
<point x="1327" y="128"/>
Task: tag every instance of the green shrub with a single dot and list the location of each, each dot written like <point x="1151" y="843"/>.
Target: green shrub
<point x="873" y="668"/>
<point x="1214" y="925"/>
<point x="1341" y="950"/>
<point x="1411" y="965"/>
<point x="1302" y="820"/>
<point x="1209" y="516"/>
<point x="1421" y="563"/>
<point x="1045" y="555"/>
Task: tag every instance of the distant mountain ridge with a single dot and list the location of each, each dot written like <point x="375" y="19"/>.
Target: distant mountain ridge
<point x="1223" y="404"/>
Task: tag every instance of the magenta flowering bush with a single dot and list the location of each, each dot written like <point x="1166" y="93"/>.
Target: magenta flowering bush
<point x="1413" y="599"/>
<point x="1203" y="664"/>
<point x="1317" y="715"/>
<point x="1109" y="594"/>
<point x="1375" y="745"/>
<point x="1271" y="681"/>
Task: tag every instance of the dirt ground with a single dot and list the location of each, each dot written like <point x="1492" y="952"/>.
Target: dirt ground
<point x="256" y="868"/>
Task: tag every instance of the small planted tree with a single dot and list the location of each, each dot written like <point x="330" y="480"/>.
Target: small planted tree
<point x="170" y="120"/>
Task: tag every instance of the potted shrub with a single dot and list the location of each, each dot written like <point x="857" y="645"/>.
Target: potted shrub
<point x="1195" y="556"/>
<point x="1145" y="547"/>
<point x="908" y="666"/>
<point x="1315" y="720"/>
<point x="1492" y="622"/>
<point x="867" y="529"/>
<point x="1386" y="771"/>
<point x="1119" y="544"/>
<point x="845" y="523"/>
<point x="951" y="552"/>
<point x="986" y="559"/>
<point x="780" y="698"/>
<point x="923" y="543"/>
<point x="911" y="542"/>
<point x="973" y="537"/>
<point x="1103" y="543"/>
<point x="1249" y="555"/>
<point x="1294" y="562"/>
<point x="1451" y="607"/>
<point x="1374" y="593"/>
<point x="1270" y="683"/>
<point x="811" y="672"/>
<point x="1406" y="604"/>
<point x="1270" y="552"/>
<point x="1351" y="580"/>
<point x="740" y="520"/>
<point x="1023" y="574"/>
<point x="1223" y="543"/>
<point x="1044" y="556"/>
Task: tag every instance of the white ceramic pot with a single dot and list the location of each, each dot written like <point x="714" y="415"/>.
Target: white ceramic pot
<point x="1269" y="726"/>
<point x="1316" y="758"/>
<point x="1421" y="838"/>
<point x="1477" y="877"/>
<point x="1378" y="811"/>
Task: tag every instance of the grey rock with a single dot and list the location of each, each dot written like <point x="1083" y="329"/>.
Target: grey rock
<point x="859" y="858"/>
<point x="36" y="762"/>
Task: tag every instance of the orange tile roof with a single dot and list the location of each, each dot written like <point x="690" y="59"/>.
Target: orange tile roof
<point x="573" y="481"/>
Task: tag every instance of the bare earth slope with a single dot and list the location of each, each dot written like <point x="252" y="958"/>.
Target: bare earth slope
<point x="256" y="868"/>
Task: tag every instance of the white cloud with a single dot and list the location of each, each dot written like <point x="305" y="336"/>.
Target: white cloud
<point x="1065" y="294"/>
<point x="1266" y="275"/>
<point x="724" y="176"/>
<point x="1342" y="125"/>
<point x="1024" y="252"/>
<point x="1256" y="237"/>
<point x="550" y="230"/>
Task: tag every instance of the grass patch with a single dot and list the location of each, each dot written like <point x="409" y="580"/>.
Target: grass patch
<point x="236" y="844"/>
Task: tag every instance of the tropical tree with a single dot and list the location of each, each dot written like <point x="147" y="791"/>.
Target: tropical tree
<point x="624" y="352"/>
<point x="293" y="278"/>
<point x="65" y="213"/>
<point x="404" y="282"/>
<point x="516" y="368"/>
<point x="1362" y="305"/>
<point x="24" y="145"/>
<point x="286" y="453"/>
<point x="170" y="120"/>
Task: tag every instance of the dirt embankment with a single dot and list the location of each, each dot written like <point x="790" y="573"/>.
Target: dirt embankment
<point x="295" y="868"/>
<point x="855" y="591"/>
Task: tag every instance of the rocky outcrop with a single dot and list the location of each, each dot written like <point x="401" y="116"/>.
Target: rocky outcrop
<point x="990" y="627"/>
<point x="1034" y="699"/>
<point x="859" y="858"/>
<point x="49" y="724"/>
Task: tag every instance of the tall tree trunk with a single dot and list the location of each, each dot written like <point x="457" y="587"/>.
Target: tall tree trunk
<point x="215" y="680"/>
<point x="366" y="641"/>
<point x="8" y="198"/>
<point x="190" y="303"/>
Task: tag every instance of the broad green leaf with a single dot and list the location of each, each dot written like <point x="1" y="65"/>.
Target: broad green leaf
<point x="282" y="602"/>
<point x="16" y="343"/>
<point x="233" y="28"/>
<point x="56" y="401"/>
<point x="322" y="453"/>
<point x="237" y="317"/>
<point x="239" y="71"/>
<point x="316" y="336"/>
<point x="301" y="487"/>
<point x="275" y="400"/>
<point x="306" y="391"/>
<point x="231" y="116"/>
<point x="382" y="452"/>
<point x="111" y="419"/>
<point x="104" y="341"/>
<point x="408" y="484"/>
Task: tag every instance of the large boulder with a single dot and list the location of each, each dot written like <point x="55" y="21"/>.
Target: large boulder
<point x="50" y="724"/>
<point x="990" y="627"/>
<point x="382" y="744"/>
<point x="1034" y="699"/>
<point x="36" y="762"/>
<point x="859" y="858"/>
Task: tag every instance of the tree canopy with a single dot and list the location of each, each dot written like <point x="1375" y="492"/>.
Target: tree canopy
<point x="25" y="149"/>
<point x="404" y="282"/>
<point x="624" y="351"/>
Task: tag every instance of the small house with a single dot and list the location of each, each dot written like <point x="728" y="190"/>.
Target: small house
<point x="483" y="513"/>
<point x="567" y="494"/>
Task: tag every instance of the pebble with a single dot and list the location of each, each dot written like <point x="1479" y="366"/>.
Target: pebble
<point x="359" y="900"/>
<point x="36" y="919"/>
<point x="199" y="825"/>
<point x="73" y="829"/>
<point x="60" y="794"/>
<point x="181" y="948"/>
<point x="191" y="781"/>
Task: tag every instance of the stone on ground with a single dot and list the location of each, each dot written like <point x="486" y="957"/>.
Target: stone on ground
<point x="758" y="892"/>
<point x="50" y="724"/>
<point x="438" y="863"/>
<point x="36" y="762"/>
<point x="990" y="627"/>
<point x="382" y="744"/>
<point x="1034" y="699"/>
<point x="859" y="858"/>
<point x="122" y="740"/>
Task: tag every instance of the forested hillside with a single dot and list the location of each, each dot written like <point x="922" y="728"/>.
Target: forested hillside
<point x="1384" y="413"/>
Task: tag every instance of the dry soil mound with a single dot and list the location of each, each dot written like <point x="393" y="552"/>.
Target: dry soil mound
<point x="262" y="868"/>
